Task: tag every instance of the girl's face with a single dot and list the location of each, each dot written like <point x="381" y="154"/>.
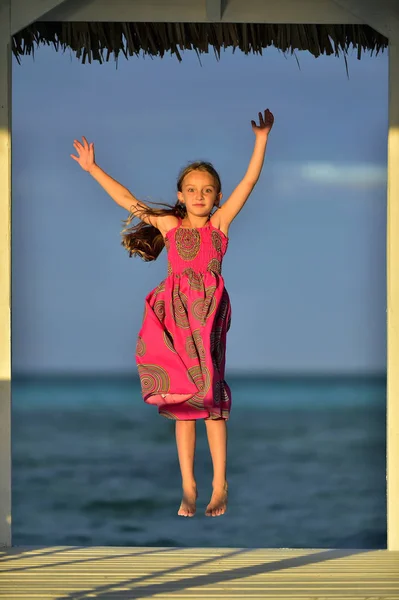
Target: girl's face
<point x="199" y="193"/>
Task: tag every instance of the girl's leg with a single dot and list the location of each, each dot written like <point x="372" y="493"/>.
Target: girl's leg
<point x="185" y="441"/>
<point x="217" y="438"/>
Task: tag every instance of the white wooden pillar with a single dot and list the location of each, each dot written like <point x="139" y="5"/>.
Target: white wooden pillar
<point x="5" y="273"/>
<point x="393" y="297"/>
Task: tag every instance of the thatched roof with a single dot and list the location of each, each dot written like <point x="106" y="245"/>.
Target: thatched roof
<point x="101" y="41"/>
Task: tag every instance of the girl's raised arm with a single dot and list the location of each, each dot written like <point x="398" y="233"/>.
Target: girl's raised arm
<point x="118" y="192"/>
<point x="230" y="209"/>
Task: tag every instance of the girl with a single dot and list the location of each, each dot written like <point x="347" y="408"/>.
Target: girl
<point x="180" y="349"/>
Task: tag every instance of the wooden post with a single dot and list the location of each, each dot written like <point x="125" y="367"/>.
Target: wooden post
<point x="393" y="297"/>
<point x="5" y="273"/>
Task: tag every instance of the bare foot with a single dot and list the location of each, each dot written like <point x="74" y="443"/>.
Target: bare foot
<point x="218" y="504"/>
<point x="187" y="506"/>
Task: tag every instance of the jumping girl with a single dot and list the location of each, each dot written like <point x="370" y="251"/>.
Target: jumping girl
<point x="181" y="346"/>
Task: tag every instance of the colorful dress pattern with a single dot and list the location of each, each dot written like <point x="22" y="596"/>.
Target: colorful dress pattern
<point x="181" y="346"/>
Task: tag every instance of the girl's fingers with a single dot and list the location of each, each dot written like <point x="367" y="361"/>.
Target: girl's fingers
<point x="74" y="157"/>
<point x="85" y="144"/>
<point x="266" y="119"/>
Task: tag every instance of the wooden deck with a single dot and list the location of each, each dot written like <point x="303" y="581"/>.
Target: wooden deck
<point x="113" y="573"/>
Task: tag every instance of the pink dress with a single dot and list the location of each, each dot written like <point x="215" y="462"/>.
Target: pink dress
<point x="181" y="346"/>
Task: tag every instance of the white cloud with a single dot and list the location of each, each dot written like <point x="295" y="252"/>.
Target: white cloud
<point x="300" y="176"/>
<point x="357" y="175"/>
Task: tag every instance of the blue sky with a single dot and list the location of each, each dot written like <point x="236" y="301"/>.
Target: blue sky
<point x="305" y="268"/>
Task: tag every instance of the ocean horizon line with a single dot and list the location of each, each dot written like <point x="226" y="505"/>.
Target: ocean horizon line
<point x="233" y="374"/>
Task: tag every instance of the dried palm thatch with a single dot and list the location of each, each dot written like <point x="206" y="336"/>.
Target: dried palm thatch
<point x="99" y="41"/>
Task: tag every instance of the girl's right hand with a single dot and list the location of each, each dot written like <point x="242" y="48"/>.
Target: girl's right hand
<point x="86" y="154"/>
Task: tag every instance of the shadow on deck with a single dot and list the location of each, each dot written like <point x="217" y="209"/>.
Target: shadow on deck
<point x="112" y="573"/>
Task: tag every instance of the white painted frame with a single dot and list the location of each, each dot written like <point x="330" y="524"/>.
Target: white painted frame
<point x="382" y="15"/>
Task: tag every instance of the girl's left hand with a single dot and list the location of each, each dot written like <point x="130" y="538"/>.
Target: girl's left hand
<point x="265" y="123"/>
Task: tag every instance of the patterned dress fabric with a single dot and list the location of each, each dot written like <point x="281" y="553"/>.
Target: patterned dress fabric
<point x="181" y="346"/>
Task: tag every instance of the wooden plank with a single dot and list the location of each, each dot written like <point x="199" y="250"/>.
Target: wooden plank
<point x="287" y="11"/>
<point x="214" y="10"/>
<point x="187" y="573"/>
<point x="383" y="15"/>
<point x="5" y="274"/>
<point x="235" y="11"/>
<point x="25" y="12"/>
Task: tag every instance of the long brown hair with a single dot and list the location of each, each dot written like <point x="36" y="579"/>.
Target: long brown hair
<point x="145" y="240"/>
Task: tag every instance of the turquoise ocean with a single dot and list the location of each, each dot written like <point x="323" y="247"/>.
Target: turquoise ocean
<point x="94" y="465"/>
